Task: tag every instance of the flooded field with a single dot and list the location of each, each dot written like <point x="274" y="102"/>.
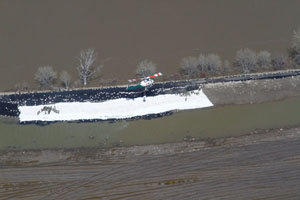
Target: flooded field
<point x="123" y="32"/>
<point x="198" y="124"/>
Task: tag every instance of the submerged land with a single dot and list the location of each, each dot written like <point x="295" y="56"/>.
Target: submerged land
<point x="246" y="147"/>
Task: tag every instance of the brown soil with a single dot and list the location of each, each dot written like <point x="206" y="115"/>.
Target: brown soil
<point x="247" y="167"/>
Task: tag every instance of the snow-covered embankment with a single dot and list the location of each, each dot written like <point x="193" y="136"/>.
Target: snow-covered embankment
<point x="114" y="109"/>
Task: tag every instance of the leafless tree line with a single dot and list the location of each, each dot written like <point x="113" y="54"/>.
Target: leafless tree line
<point x="202" y="65"/>
<point x="294" y="51"/>
<point x="245" y="61"/>
<point x="145" y="68"/>
<point x="87" y="69"/>
<point x="46" y="77"/>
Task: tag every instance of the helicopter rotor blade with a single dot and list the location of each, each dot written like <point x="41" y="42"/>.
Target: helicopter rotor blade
<point x="155" y="75"/>
<point x="139" y="79"/>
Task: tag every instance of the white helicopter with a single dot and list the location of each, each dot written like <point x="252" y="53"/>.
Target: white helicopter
<point x="145" y="83"/>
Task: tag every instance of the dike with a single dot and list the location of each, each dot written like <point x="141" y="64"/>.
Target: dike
<point x="9" y="103"/>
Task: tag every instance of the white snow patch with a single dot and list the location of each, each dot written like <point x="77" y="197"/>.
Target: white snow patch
<point x="115" y="109"/>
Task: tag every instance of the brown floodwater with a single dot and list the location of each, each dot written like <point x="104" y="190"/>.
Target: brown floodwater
<point x="199" y="124"/>
<point x="35" y="33"/>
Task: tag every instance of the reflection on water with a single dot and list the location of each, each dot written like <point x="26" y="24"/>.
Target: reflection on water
<point x="203" y="123"/>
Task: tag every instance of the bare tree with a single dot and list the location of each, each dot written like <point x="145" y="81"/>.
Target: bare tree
<point x="226" y="68"/>
<point x="295" y="48"/>
<point x="210" y="63"/>
<point x="264" y="59"/>
<point x="45" y="76"/>
<point x="145" y="68"/>
<point x="86" y="67"/>
<point x="188" y="67"/>
<point x="20" y="87"/>
<point x="280" y="62"/>
<point x="77" y="83"/>
<point x="65" y="78"/>
<point x="213" y="63"/>
<point x="202" y="63"/>
<point x="245" y="60"/>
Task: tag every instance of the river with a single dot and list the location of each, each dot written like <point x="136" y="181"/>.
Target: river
<point x="35" y="33"/>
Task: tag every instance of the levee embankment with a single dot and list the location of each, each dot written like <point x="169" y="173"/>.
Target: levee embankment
<point x="239" y="89"/>
<point x="252" y="91"/>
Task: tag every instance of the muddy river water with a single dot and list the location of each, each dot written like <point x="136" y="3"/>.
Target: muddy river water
<point x="126" y="32"/>
<point x="219" y="121"/>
